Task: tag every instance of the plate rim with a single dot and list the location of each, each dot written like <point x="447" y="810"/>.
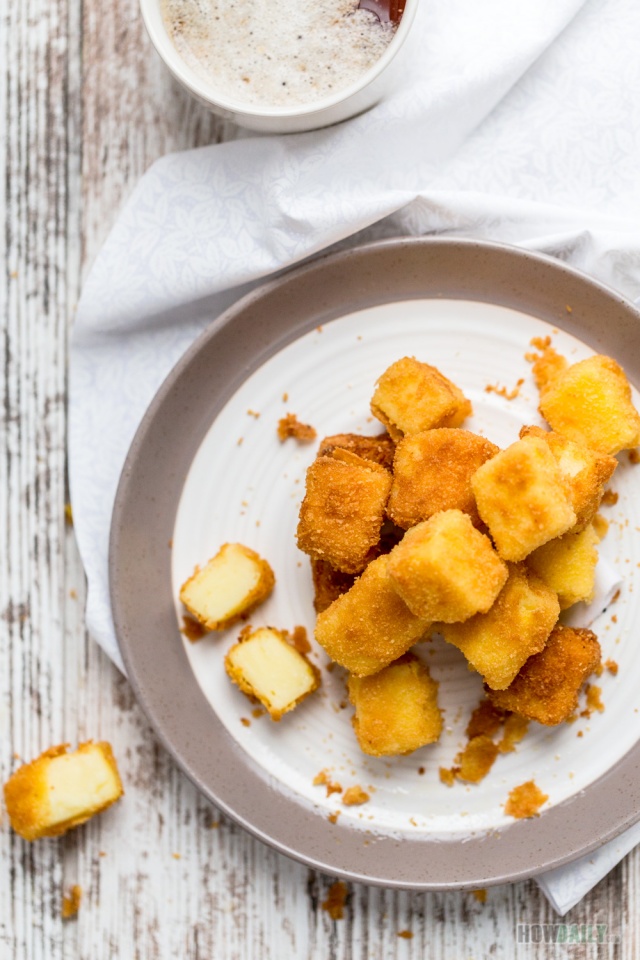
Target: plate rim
<point x="304" y="833"/>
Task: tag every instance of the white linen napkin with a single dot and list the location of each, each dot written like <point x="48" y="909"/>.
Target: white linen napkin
<point x="518" y="121"/>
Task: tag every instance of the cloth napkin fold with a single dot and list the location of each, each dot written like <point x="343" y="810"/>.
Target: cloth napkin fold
<point x="516" y="122"/>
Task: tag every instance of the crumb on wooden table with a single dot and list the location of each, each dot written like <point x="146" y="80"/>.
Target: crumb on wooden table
<point x="71" y="902"/>
<point x="405" y="934"/>
<point x="336" y="899"/>
<point x="525" y="801"/>
<point x="480" y="895"/>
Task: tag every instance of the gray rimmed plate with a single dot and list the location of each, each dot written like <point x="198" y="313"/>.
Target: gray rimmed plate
<point x="475" y="305"/>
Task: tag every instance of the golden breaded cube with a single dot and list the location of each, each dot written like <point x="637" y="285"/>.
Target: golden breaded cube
<point x="380" y="448"/>
<point x="268" y="668"/>
<point x="61" y="790"/>
<point x="411" y="396"/>
<point x="584" y="472"/>
<point x="568" y="566"/>
<point x="590" y="402"/>
<point x="396" y="709"/>
<point x="368" y="627"/>
<point x="546" y="688"/>
<point x="444" y="569"/>
<point x="432" y="472"/>
<point x="231" y="585"/>
<point x="343" y="509"/>
<point x="499" y="642"/>
<point x="522" y="498"/>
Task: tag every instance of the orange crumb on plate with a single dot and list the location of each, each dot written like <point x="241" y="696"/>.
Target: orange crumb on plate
<point x="611" y="666"/>
<point x="300" y="640"/>
<point x="448" y="776"/>
<point x="514" y="730"/>
<point x="354" y="796"/>
<point x="476" y="759"/>
<point x="192" y="629"/>
<point x="525" y="801"/>
<point x="290" y="426"/>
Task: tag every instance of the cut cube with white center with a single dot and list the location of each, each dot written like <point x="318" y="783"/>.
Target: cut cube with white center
<point x="231" y="585"/>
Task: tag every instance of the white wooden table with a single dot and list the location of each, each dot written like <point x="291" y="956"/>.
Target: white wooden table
<point x="85" y="107"/>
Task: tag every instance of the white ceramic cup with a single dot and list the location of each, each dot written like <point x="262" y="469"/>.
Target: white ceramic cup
<point x="351" y="100"/>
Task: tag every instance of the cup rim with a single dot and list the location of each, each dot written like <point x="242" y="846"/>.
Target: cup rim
<point x="197" y="85"/>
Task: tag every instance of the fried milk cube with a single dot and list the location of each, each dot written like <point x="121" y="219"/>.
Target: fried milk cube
<point x="499" y="642"/>
<point x="61" y="790"/>
<point x="546" y="688"/>
<point x="411" y="396"/>
<point x="268" y="668"/>
<point x="328" y="584"/>
<point x="396" y="709"/>
<point x="432" y="471"/>
<point x="568" y="565"/>
<point x="522" y="498"/>
<point x="444" y="569"/>
<point x="585" y="472"/>
<point x="231" y="585"/>
<point x="380" y="448"/>
<point x="368" y="627"/>
<point x="343" y="509"/>
<point x="590" y="402"/>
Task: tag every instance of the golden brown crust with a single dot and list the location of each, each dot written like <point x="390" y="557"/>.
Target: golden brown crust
<point x="252" y="599"/>
<point x="477" y="758"/>
<point x="525" y="801"/>
<point x="27" y="797"/>
<point x="411" y="396"/>
<point x="343" y="509"/>
<point x="368" y="627"/>
<point x="328" y="583"/>
<point x="380" y="448"/>
<point x="546" y="688"/>
<point x="422" y="461"/>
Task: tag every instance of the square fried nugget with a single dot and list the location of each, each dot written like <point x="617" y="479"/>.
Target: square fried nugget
<point x="546" y="688"/>
<point x="590" y="402"/>
<point x="522" y="498"/>
<point x="432" y="472"/>
<point x="411" y="396"/>
<point x="368" y="627"/>
<point x="343" y="509"/>
<point x="396" y="709"/>
<point x="444" y="569"/>
<point x="61" y="790"/>
<point x="499" y="642"/>
<point x="268" y="668"/>
<point x="568" y="566"/>
<point x="380" y="448"/>
<point x="585" y="472"/>
<point x="230" y="586"/>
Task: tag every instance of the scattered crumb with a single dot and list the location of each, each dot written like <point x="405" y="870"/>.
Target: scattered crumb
<point x="421" y="770"/>
<point x="170" y="543"/>
<point x="214" y="825"/>
<point x="448" y="776"/>
<point x="609" y="497"/>
<point x="253" y="413"/>
<point x="245" y="721"/>
<point x="354" y="796"/>
<point x="600" y="525"/>
<point x="330" y="667"/>
<point x="614" y="618"/>
<point x="525" y="801"/>
<point x="485" y="719"/>
<point x="319" y="329"/>
<point x="333" y="817"/>
<point x="73" y="594"/>
<point x="300" y="640"/>
<point x="177" y="856"/>
<point x="634" y="456"/>
<point x="285" y="397"/>
<point x="290" y="426"/>
<point x="192" y="629"/>
<point x="257" y="712"/>
<point x="503" y="391"/>
<point x="240" y="441"/>
<point x="612" y="667"/>
<point x="323" y="779"/>
<point x="480" y="895"/>
<point x="68" y="514"/>
<point x="579" y="733"/>
<point x="514" y="730"/>
<point x="569" y="309"/>
<point x="71" y="903"/>
<point x="336" y="899"/>
<point x="476" y="759"/>
<point x="594" y="701"/>
<point x="102" y="853"/>
<point x="405" y="934"/>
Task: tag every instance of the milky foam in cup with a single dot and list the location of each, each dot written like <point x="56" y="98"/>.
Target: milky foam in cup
<point x="278" y="67"/>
